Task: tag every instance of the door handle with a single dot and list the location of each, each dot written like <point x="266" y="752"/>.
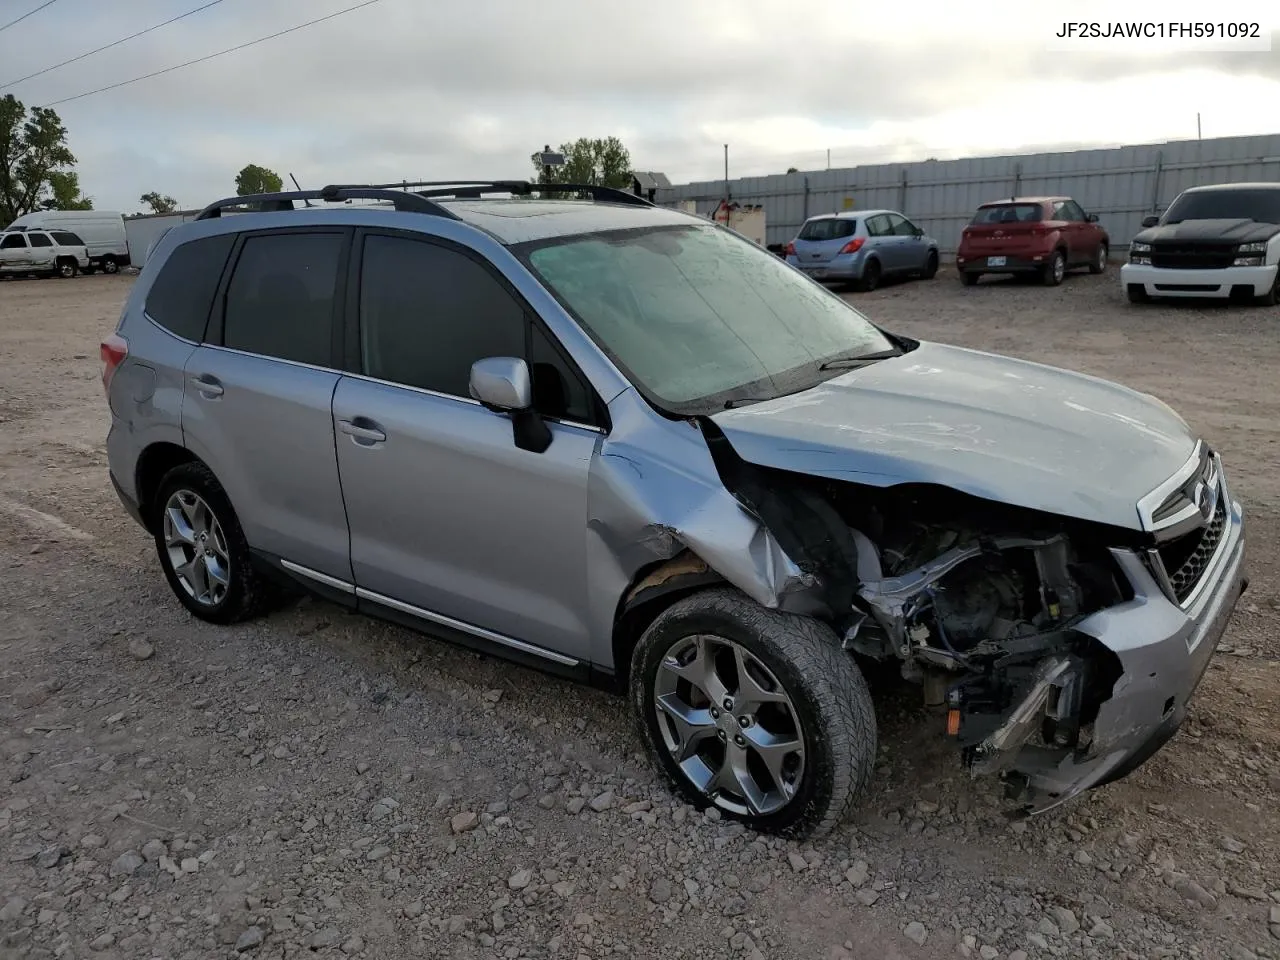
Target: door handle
<point x="362" y="431"/>
<point x="207" y="385"/>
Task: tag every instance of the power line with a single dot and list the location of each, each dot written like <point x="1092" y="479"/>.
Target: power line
<point x="190" y="63"/>
<point x="114" y="43"/>
<point x="25" y="15"/>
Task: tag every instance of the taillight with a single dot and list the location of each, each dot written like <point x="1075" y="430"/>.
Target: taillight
<point x="789" y="250"/>
<point x="112" y="351"/>
<point x="854" y="245"/>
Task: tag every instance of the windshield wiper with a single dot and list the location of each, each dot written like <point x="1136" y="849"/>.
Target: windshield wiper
<point x="743" y="401"/>
<point x="858" y="359"/>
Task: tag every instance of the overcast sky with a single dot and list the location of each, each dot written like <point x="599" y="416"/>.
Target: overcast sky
<point x="427" y="89"/>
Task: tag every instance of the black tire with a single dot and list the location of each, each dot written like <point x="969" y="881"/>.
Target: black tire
<point x="969" y="278"/>
<point x="246" y="593"/>
<point x="66" y="269"/>
<point x="1055" y="270"/>
<point x="930" y="266"/>
<point x="1137" y="293"/>
<point x="830" y="697"/>
<point x="1099" y="263"/>
<point x="870" y="276"/>
<point x="109" y="265"/>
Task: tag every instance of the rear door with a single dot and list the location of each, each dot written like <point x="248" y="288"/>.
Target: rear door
<point x="449" y="518"/>
<point x="821" y="238"/>
<point x="15" y="254"/>
<point x="43" y="251"/>
<point x="258" y="401"/>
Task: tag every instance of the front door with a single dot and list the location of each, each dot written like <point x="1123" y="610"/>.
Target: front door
<point x="15" y="255"/>
<point x="257" y="401"/>
<point x="909" y="248"/>
<point x="449" y="518"/>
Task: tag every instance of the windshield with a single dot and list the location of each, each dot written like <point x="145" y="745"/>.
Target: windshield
<point x="1262" y="206"/>
<point x="1009" y="213"/>
<point x="829" y="228"/>
<point x="697" y="316"/>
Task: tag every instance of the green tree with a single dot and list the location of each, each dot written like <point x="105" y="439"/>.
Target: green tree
<point x="64" y="189"/>
<point x="159" y="203"/>
<point x="601" y="162"/>
<point x="33" y="148"/>
<point x="255" y="179"/>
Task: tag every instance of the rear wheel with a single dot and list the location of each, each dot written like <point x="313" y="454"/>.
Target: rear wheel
<point x="758" y="713"/>
<point x="930" y="265"/>
<point x="870" y="276"/>
<point x="968" y="278"/>
<point x="202" y="548"/>
<point x="1100" y="260"/>
<point x="1055" y="270"/>
<point x="109" y="265"/>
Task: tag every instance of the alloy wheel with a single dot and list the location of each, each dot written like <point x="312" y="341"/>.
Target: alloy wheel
<point x="729" y="725"/>
<point x="1059" y="268"/>
<point x="197" y="548"/>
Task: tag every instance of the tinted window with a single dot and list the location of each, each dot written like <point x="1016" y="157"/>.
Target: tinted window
<point x="1260" y="205"/>
<point x="280" y="299"/>
<point x="558" y="389"/>
<point x="902" y="227"/>
<point x="182" y="294"/>
<point x="697" y="316"/>
<point x="67" y="239"/>
<point x="13" y="241"/>
<point x="427" y="313"/>
<point x="830" y="228"/>
<point x="40" y="240"/>
<point x="1009" y="213"/>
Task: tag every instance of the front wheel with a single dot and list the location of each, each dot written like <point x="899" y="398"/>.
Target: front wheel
<point x="66" y="269"/>
<point x="758" y="713"/>
<point x="930" y="265"/>
<point x="109" y="265"/>
<point x="1055" y="269"/>
<point x="1272" y="296"/>
<point x="202" y="548"/>
<point x="1137" y="293"/>
<point x="1100" y="260"/>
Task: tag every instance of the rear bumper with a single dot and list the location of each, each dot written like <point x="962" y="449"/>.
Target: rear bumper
<point x="1163" y="650"/>
<point x="1028" y="263"/>
<point x="1163" y="282"/>
<point x="130" y="505"/>
<point x="845" y="267"/>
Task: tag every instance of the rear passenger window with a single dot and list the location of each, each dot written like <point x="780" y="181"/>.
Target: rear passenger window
<point x="182" y="294"/>
<point x="280" y="299"/>
<point x="427" y="313"/>
<point x="40" y="240"/>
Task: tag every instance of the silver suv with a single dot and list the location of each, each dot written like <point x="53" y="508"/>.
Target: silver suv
<point x="624" y="444"/>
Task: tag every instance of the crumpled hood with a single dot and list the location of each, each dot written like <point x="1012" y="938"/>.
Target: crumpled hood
<point x="1219" y="231"/>
<point x="1006" y="430"/>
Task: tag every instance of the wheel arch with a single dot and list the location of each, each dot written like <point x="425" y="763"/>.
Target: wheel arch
<point x="155" y="461"/>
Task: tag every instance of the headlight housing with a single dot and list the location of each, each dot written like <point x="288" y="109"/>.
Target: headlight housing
<point x="1247" y="248"/>
<point x="1139" y="248"/>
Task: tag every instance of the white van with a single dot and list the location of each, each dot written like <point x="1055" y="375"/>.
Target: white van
<point x="101" y="230"/>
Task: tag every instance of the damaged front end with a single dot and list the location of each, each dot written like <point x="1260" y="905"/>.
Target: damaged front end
<point x="1055" y="649"/>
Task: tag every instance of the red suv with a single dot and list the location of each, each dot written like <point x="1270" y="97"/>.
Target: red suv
<point x="1042" y="235"/>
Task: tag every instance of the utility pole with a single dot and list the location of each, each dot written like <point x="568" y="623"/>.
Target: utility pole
<point x="726" y="179"/>
<point x="828" y="158"/>
<point x="1198" y="137"/>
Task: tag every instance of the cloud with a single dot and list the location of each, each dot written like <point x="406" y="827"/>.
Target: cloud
<point x="405" y="89"/>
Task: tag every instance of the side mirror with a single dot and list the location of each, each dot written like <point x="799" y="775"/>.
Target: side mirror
<point x="503" y="385"/>
<point x="1091" y="217"/>
<point x="917" y="231"/>
<point x="1150" y="221"/>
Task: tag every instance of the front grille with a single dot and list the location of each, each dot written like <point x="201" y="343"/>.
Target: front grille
<point x="1187" y="557"/>
<point x="1198" y="256"/>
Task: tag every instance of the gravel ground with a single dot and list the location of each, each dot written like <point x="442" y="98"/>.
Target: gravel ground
<point x="318" y="784"/>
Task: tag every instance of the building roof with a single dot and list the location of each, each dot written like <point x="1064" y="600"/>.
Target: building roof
<point x="649" y="180"/>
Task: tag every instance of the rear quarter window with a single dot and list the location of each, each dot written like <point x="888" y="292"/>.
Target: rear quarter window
<point x="182" y="295"/>
<point x="67" y="239"/>
<point x="40" y="240"/>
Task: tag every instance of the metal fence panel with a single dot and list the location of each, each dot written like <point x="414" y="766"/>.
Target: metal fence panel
<point x="1121" y="185"/>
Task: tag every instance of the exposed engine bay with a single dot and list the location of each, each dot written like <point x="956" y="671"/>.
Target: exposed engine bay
<point x="976" y="601"/>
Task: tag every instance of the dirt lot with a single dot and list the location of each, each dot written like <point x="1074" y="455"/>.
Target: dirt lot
<point x="290" y="787"/>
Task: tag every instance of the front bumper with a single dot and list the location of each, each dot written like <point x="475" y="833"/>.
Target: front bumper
<point x="1164" y="649"/>
<point x="1164" y="282"/>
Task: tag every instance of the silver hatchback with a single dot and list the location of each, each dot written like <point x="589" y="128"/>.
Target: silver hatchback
<point x="627" y="445"/>
<point x="862" y="248"/>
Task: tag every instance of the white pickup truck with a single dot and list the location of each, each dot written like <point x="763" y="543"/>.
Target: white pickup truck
<point x="53" y="253"/>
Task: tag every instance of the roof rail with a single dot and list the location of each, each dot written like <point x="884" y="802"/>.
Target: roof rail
<point x="334" y="193"/>
<point x="474" y="189"/>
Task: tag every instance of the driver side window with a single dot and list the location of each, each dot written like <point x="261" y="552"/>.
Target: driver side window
<point x="902" y="227"/>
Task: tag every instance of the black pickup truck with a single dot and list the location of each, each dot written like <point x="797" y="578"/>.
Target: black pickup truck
<point x="1215" y="241"/>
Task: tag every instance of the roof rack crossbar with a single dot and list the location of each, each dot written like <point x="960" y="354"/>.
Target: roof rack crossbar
<point x="474" y="189"/>
<point x="333" y="193"/>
